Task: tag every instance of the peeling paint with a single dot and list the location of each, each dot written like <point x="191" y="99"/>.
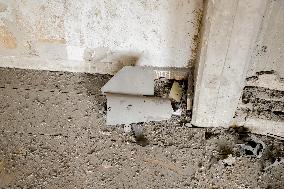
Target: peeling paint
<point x="7" y="39"/>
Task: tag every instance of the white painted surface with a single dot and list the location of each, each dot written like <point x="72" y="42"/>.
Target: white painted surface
<point x="153" y="33"/>
<point x="227" y="44"/>
<point x="132" y="81"/>
<point x="127" y="109"/>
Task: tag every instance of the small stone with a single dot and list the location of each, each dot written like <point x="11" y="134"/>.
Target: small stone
<point x="188" y="125"/>
<point x="229" y="160"/>
<point x="127" y="128"/>
<point x="178" y="112"/>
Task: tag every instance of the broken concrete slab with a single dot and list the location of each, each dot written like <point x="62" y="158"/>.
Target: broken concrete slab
<point x="128" y="109"/>
<point x="269" y="81"/>
<point x="263" y="127"/>
<point x="176" y="92"/>
<point x="131" y="81"/>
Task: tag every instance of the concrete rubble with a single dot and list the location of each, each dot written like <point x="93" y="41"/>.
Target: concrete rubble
<point x="276" y="163"/>
<point x="130" y="98"/>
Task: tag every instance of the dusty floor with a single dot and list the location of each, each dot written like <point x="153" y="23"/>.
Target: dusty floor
<point x="53" y="135"/>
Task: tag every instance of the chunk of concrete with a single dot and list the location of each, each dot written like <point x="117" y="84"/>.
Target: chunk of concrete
<point x="128" y="109"/>
<point x="131" y="81"/>
<point x="176" y="92"/>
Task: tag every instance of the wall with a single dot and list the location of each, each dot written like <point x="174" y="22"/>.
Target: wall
<point x="89" y="35"/>
<point x="269" y="50"/>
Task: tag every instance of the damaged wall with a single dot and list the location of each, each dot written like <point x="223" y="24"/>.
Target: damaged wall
<point x="84" y="35"/>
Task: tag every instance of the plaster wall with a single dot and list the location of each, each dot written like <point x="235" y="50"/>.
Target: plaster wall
<point x="86" y="35"/>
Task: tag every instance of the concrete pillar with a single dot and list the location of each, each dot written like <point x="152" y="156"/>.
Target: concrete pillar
<point x="229" y="33"/>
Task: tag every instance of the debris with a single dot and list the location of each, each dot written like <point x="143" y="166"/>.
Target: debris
<point x="277" y="162"/>
<point x="230" y="160"/>
<point x="140" y="138"/>
<point x="127" y="128"/>
<point x="188" y="125"/>
<point x="137" y="130"/>
<point x="177" y="112"/>
<point x="176" y="92"/>
<point x="131" y="81"/>
<point x="254" y="147"/>
<point x="128" y="109"/>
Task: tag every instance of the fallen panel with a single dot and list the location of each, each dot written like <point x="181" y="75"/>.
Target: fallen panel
<point x="132" y="81"/>
<point x="127" y="109"/>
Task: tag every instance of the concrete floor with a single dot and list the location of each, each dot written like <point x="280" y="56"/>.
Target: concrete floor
<point x="53" y="135"/>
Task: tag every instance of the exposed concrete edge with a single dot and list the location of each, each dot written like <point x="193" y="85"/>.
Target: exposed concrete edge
<point x="263" y="127"/>
<point x="38" y="63"/>
<point x="269" y="81"/>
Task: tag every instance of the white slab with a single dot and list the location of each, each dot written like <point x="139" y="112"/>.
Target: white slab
<point x="127" y="109"/>
<point x="132" y="81"/>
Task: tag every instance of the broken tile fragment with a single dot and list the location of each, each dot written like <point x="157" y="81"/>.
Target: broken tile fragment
<point x="176" y="92"/>
<point x="131" y="81"/>
<point x="128" y="109"/>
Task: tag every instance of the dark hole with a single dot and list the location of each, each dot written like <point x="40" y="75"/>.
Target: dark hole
<point x="252" y="144"/>
<point x="209" y="135"/>
<point x="142" y="141"/>
<point x="248" y="152"/>
<point x="279" y="113"/>
<point x="175" y="106"/>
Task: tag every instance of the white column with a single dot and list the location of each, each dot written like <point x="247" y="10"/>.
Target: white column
<point x="229" y="34"/>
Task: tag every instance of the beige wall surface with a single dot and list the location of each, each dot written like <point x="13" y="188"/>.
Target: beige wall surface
<point x="78" y="35"/>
